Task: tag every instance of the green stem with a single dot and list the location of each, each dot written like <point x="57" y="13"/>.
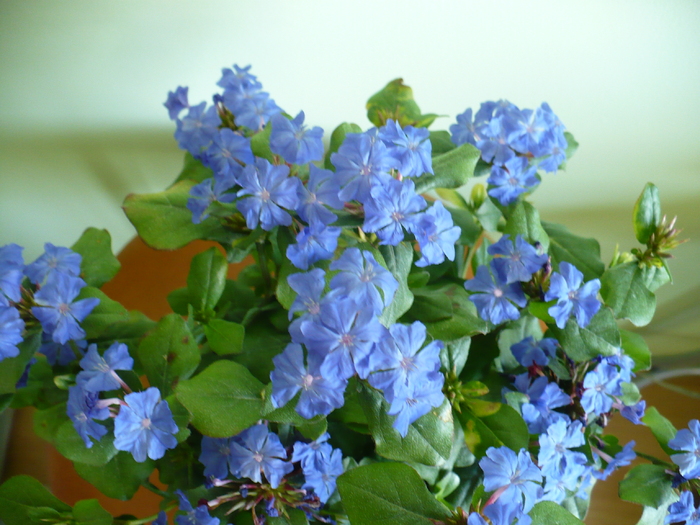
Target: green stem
<point x="143" y="520"/>
<point x="150" y="486"/>
<point x="655" y="460"/>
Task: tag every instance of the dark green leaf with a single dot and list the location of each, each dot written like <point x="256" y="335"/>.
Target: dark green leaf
<point x="296" y="517"/>
<point x="90" y="512"/>
<point x="489" y="215"/>
<point x="398" y="260"/>
<point x="169" y="353"/>
<point x="19" y="495"/>
<point x="470" y="230"/>
<point x="337" y="138"/>
<point x="581" y="252"/>
<point x="647" y="213"/>
<point x="454" y="355"/>
<point x="451" y="170"/>
<point x="178" y="300"/>
<point x="441" y="142"/>
<point x="418" y="278"/>
<point x="662" y="428"/>
<point x="549" y="513"/>
<point x="105" y="314"/>
<point x="648" y="485"/>
<point x="207" y="279"/>
<point x="241" y="247"/>
<point x="428" y="441"/>
<point x="396" y="102"/>
<point x="541" y="310"/>
<point x="261" y="344"/>
<point x="430" y="305"/>
<point x="224" y="337"/>
<point x="636" y="347"/>
<point x="490" y="424"/>
<point x="484" y="349"/>
<point x="224" y="399"/>
<point x="12" y="368"/>
<point x="464" y="321"/>
<point x="99" y="264"/>
<point x="600" y="337"/>
<point x="71" y="446"/>
<point x="388" y="494"/>
<point x="164" y="222"/>
<point x="194" y="170"/>
<point x="180" y="467"/>
<point x="47" y="421"/>
<point x="119" y="478"/>
<point x="623" y="290"/>
<point x="524" y="220"/>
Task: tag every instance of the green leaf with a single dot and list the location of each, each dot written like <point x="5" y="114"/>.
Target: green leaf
<point x="194" y="170"/>
<point x="454" y="355"/>
<point x="388" y="494"/>
<point x="241" y="247"/>
<point x="656" y="276"/>
<point x="119" y="478"/>
<point x="600" y="337"/>
<point x="428" y="441"/>
<point x="541" y="310"/>
<point x="636" y="347"/>
<point x="470" y="230"/>
<point x="647" y="213"/>
<point x="526" y="326"/>
<point x="464" y="321"/>
<point x="648" y="485"/>
<point x="581" y="252"/>
<point x="630" y="394"/>
<point x="99" y="264"/>
<point x="484" y="349"/>
<point x="489" y="215"/>
<point x="71" y="446"/>
<point x="549" y="513"/>
<point x="224" y="399"/>
<point x="105" y="314"/>
<point x="163" y="221"/>
<point x="19" y="495"/>
<point x="451" y="170"/>
<point x="525" y="220"/>
<point x="571" y="145"/>
<point x="311" y="428"/>
<point x="337" y="138"/>
<point x="12" y="368"/>
<point x="47" y="421"/>
<point x="285" y="294"/>
<point x="178" y="300"/>
<point x="441" y="142"/>
<point x="430" y="304"/>
<point x="398" y="260"/>
<point x="207" y="279"/>
<point x="396" y="102"/>
<point x="662" y="428"/>
<point x="490" y="424"/>
<point x="90" y="512"/>
<point x="652" y="516"/>
<point x="623" y="290"/>
<point x="225" y="337"/>
<point x="169" y="353"/>
<point x="260" y="144"/>
<point x="296" y="517"/>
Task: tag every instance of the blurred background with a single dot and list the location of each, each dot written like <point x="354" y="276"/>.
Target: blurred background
<point x="82" y="85"/>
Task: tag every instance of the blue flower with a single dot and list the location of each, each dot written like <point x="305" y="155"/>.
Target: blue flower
<point x="554" y="453"/>
<point x="436" y="235"/>
<point x="320" y="191"/>
<point x="393" y="205"/>
<point x="687" y="441"/>
<point x="54" y="259"/>
<point x="410" y="146"/>
<point x="227" y="150"/>
<point x="83" y="407"/>
<point x="465" y="131"/>
<point x="61" y="354"/>
<point x="268" y="188"/>
<point x="621" y="459"/>
<point x="56" y="310"/>
<point x="202" y="195"/>
<point x="529" y="352"/>
<point x="495" y="297"/>
<point x="512" y="180"/>
<point x="400" y="359"/>
<point x="415" y="399"/>
<point x="361" y="277"/>
<point x="572" y="298"/>
<point x="309" y="288"/>
<point x="196" y="131"/>
<point x="238" y="79"/>
<point x="319" y="394"/>
<point x="494" y="142"/>
<point x="527" y="129"/>
<point x="316" y="242"/>
<point x="314" y="453"/>
<point x="559" y="485"/>
<point x="145" y="425"/>
<point x="342" y="335"/>
<point x="321" y="475"/>
<point x="543" y="397"/>
<point x="176" y="102"/>
<point x="684" y="510"/>
<point x="215" y="456"/>
<point x="293" y="142"/>
<point x="635" y="413"/>
<point x="99" y="373"/>
<point x="256" y="451"/>
<point x="11" y="273"/>
<point x="192" y="516"/>
<point x="518" y="474"/>
<point x="255" y="112"/>
<point x="505" y="513"/>
<point x="162" y="519"/>
<point x="361" y="161"/>
<point x="11" y="328"/>
<point x="517" y="262"/>
<point x="600" y="386"/>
